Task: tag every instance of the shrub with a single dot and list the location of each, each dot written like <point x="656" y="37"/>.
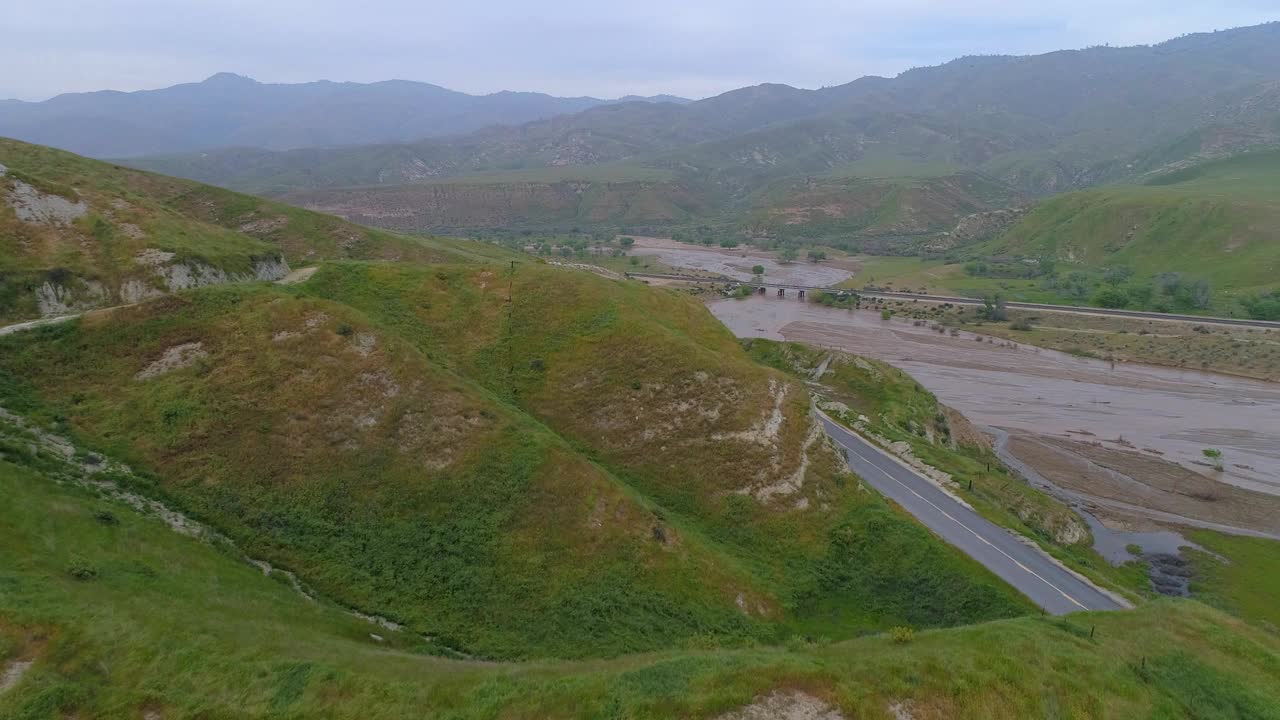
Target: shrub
<point x="1215" y="455"/>
<point x="1117" y="275"/>
<point x="994" y="308"/>
<point x="902" y="634"/>
<point x="886" y="314"/>
<point x="1263" y="306"/>
<point x="844" y="300"/>
<point x="81" y="570"/>
<point x="1111" y="298"/>
<point x="1021" y="324"/>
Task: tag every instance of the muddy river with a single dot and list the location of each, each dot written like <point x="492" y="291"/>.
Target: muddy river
<point x="1123" y="441"/>
<point x="737" y="264"/>
<point x="1146" y="411"/>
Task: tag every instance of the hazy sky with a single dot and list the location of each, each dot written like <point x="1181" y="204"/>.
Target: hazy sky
<point x="694" y="48"/>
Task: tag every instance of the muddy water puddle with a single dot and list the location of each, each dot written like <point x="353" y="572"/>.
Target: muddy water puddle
<point x="1161" y="413"/>
<point x="737" y="264"/>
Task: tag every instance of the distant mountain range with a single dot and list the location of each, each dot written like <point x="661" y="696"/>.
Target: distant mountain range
<point x="229" y="110"/>
<point x="877" y="163"/>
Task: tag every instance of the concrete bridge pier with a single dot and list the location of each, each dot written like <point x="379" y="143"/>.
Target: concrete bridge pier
<point x="801" y="295"/>
<point x="782" y="292"/>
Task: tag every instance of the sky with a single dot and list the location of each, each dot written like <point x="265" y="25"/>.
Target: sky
<point x="693" y="48"/>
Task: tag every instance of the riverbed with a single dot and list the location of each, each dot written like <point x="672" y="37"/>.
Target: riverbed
<point x="1118" y="420"/>
<point x="737" y="263"/>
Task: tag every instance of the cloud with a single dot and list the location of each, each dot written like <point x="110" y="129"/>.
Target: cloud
<point x="571" y="47"/>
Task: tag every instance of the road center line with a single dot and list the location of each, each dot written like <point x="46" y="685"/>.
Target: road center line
<point x="949" y="516"/>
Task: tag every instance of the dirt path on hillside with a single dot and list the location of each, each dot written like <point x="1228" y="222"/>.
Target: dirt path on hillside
<point x="12" y="674"/>
<point x="297" y="276"/>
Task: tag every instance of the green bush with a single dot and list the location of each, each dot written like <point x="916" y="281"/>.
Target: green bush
<point x="1111" y="298"/>
<point x="81" y="570"/>
<point x="1264" y="306"/>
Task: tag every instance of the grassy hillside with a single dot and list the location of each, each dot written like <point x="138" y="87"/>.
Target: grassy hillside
<point x="105" y="602"/>
<point x="1202" y="239"/>
<point x="78" y="233"/>
<point x="1216" y="222"/>
<point x="335" y="451"/>
<point x="1239" y="575"/>
<point x="889" y="406"/>
<point x="658" y="392"/>
<point x="537" y="199"/>
<point x="850" y="211"/>
<point x="594" y="468"/>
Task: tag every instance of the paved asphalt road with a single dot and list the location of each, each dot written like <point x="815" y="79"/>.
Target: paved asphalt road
<point x="1034" y="575"/>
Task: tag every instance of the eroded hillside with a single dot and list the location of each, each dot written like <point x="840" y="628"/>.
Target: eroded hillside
<point x="107" y="600"/>
<point x="592" y="468"/>
<point x="77" y="234"/>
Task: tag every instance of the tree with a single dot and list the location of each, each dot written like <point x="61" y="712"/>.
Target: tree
<point x="1078" y="285"/>
<point x="757" y="269"/>
<point x="995" y="308"/>
<point x="1117" y="275"/>
<point x="627" y="242"/>
<point x="816" y="255"/>
<point x="1200" y="295"/>
<point x="788" y="255"/>
<point x="1167" y="283"/>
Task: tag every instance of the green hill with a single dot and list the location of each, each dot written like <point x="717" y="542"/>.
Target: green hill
<point x="1216" y="223"/>
<point x="106" y="612"/>
<point x="78" y="233"/>
<point x="855" y="212"/>
<point x="537" y="199"/>
<point x="593" y="468"/>
<point x="477" y="486"/>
